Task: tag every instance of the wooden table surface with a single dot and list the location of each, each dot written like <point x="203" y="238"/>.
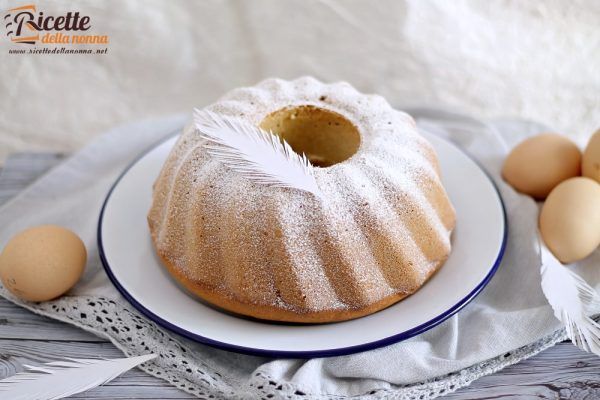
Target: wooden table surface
<point x="562" y="372"/>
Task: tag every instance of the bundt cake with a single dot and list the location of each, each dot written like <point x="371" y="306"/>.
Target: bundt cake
<point x="380" y="229"/>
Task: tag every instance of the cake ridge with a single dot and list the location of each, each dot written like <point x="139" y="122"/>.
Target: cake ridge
<point x="353" y="242"/>
<point x="181" y="161"/>
<point x="381" y="218"/>
<point x="427" y="217"/>
<point x="304" y="260"/>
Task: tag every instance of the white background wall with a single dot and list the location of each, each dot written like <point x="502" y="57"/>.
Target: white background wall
<point x="536" y="59"/>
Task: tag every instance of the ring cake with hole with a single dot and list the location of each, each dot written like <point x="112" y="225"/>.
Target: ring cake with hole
<point x="379" y="229"/>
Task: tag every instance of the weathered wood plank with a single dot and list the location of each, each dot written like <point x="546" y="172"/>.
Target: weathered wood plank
<point x="19" y="323"/>
<point x="138" y="393"/>
<point x="15" y="353"/>
<point x="21" y="169"/>
<point x="562" y="371"/>
<point x="133" y="384"/>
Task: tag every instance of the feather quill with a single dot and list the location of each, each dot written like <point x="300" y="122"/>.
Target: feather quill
<point x="60" y="379"/>
<point x="254" y="153"/>
<point x="572" y="300"/>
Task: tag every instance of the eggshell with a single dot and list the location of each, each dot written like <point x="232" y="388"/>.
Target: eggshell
<point x="570" y="219"/>
<point x="42" y="263"/>
<point x="590" y="165"/>
<point x="536" y="165"/>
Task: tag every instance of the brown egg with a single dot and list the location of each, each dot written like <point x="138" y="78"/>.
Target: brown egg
<point x="590" y="165"/>
<point x="570" y="219"/>
<point x="536" y="165"/>
<point x="42" y="263"/>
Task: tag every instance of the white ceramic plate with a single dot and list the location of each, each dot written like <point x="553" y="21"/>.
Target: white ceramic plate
<point x="128" y="256"/>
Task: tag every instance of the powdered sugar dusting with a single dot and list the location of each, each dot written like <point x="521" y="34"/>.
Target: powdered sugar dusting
<point x="390" y="239"/>
<point x="305" y="263"/>
<point x="270" y="246"/>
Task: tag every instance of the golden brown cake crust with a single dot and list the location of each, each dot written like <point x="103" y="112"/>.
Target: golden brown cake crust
<point x="272" y="313"/>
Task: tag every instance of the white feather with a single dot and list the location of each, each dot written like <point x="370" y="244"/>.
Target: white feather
<point x="60" y="379"/>
<point x="256" y="154"/>
<point x="572" y="300"/>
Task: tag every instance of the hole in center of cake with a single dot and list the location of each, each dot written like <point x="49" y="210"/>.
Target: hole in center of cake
<point x="326" y="137"/>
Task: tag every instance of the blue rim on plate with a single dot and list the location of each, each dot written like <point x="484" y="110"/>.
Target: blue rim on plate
<point x="299" y="354"/>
